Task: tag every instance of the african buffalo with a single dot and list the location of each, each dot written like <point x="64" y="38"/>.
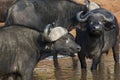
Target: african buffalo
<point x="98" y="32"/>
<point x="38" y="13"/>
<point x="21" y="48"/>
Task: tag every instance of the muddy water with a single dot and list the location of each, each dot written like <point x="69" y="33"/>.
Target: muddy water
<point x="69" y="70"/>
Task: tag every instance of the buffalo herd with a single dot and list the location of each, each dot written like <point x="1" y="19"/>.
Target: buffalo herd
<point x="36" y="29"/>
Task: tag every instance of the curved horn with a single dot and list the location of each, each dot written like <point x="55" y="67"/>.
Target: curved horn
<point x="46" y="32"/>
<point x="82" y="18"/>
<point x="109" y="19"/>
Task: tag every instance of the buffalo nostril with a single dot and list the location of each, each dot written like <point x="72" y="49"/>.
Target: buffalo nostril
<point x="98" y="28"/>
<point x="78" y="48"/>
<point x="95" y="28"/>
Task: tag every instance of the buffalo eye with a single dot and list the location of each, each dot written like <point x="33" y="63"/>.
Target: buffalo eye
<point x="100" y="22"/>
<point x="64" y="38"/>
<point x="91" y="23"/>
<point x="67" y="40"/>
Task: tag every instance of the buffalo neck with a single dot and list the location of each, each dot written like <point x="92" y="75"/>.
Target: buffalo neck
<point x="61" y="12"/>
<point x="68" y="10"/>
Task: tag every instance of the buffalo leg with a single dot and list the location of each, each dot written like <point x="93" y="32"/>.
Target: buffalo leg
<point x="75" y="61"/>
<point x="27" y="69"/>
<point x="95" y="62"/>
<point x="27" y="74"/>
<point x="9" y="77"/>
<point x="116" y="52"/>
<point x="55" y="60"/>
<point x="82" y="61"/>
<point x="12" y="76"/>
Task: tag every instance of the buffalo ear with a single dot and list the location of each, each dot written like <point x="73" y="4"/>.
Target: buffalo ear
<point x="109" y="25"/>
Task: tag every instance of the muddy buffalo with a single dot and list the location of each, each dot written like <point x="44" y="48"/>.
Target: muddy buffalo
<point x="38" y="13"/>
<point x="98" y="32"/>
<point x="22" y="48"/>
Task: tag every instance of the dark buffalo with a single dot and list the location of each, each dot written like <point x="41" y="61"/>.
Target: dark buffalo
<point x="4" y="5"/>
<point x="38" y="13"/>
<point x="98" y="32"/>
<point x="22" y="48"/>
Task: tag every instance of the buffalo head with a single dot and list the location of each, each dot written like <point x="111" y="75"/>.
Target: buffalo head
<point x="97" y="20"/>
<point x="62" y="41"/>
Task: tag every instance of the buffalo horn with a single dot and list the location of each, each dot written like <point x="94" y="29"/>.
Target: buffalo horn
<point x="46" y="32"/>
<point x="56" y="33"/>
<point x="53" y="34"/>
<point x="110" y="19"/>
<point x="82" y="18"/>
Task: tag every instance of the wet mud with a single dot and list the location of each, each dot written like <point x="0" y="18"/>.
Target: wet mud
<point x="71" y="70"/>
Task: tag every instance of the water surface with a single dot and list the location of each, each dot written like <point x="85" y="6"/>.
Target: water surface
<point x="69" y="70"/>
